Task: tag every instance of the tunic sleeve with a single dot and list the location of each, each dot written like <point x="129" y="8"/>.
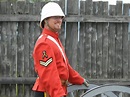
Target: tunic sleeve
<point x="74" y="76"/>
<point x="47" y="70"/>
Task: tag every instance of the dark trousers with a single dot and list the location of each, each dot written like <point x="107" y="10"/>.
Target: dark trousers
<point x="38" y="94"/>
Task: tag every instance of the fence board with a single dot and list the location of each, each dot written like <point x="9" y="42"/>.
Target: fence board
<point x="90" y="51"/>
<point x="4" y="48"/>
<point x="8" y="66"/>
<point x="9" y="51"/>
<point x="21" y="7"/>
<point x="90" y="59"/>
<point x="26" y="56"/>
<point x="88" y="40"/>
<point x="31" y="46"/>
<point x="111" y="43"/>
<point x="98" y="12"/>
<point x="72" y="7"/>
<point x="118" y="43"/>
<point x="80" y="48"/>
<point x="72" y="36"/>
<point x="125" y="43"/>
<point x="4" y="56"/>
<point x="20" y="49"/>
<point x="93" y="50"/>
<point x="3" y="7"/>
<point x="125" y="59"/>
<point x="105" y="41"/>
<point x="13" y="56"/>
<point x="71" y="43"/>
<point x="20" y="57"/>
<point x="81" y="51"/>
<point x="31" y="41"/>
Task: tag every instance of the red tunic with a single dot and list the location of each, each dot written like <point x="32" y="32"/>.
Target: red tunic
<point x="51" y="66"/>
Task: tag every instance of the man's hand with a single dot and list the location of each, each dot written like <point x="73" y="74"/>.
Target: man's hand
<point x="86" y="83"/>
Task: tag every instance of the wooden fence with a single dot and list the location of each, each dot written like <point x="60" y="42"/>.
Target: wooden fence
<point x="95" y="36"/>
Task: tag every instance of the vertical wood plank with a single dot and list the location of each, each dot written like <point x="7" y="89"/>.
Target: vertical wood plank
<point x="72" y="7"/>
<point x="13" y="56"/>
<point x="26" y="52"/>
<point x="71" y="43"/>
<point x="8" y="60"/>
<point x="125" y="46"/>
<point x="3" y="7"/>
<point x="4" y="61"/>
<point x="93" y="31"/>
<point x="31" y="45"/>
<point x="20" y="57"/>
<point x="118" y="42"/>
<point x="62" y="5"/>
<point x="37" y="26"/>
<point x="13" y="29"/>
<point x="80" y="49"/>
<point x="31" y="40"/>
<point x="125" y="40"/>
<point x="26" y="57"/>
<point x="93" y="43"/>
<point x="111" y="44"/>
<point x="72" y="35"/>
<point x="104" y="41"/>
<point x="99" y="42"/>
<point x="88" y="39"/>
<point x="20" y="49"/>
<point x="21" y="7"/>
<point x="97" y="11"/>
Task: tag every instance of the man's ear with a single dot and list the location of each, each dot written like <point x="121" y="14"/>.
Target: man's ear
<point x="45" y="21"/>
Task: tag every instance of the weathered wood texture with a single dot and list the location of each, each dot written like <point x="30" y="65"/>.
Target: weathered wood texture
<point x="95" y="36"/>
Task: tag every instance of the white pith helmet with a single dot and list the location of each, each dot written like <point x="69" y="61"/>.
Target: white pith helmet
<point x="50" y="9"/>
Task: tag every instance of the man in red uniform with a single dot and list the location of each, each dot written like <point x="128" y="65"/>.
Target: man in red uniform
<point x="50" y="61"/>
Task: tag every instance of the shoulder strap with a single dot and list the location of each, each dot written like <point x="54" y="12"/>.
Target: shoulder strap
<point x="52" y="39"/>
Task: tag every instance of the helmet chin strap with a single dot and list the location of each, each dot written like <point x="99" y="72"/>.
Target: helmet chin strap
<point x="47" y="24"/>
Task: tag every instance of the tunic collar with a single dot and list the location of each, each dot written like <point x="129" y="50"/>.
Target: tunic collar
<point x="49" y="32"/>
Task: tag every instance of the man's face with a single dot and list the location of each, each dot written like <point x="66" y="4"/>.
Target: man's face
<point x="54" y="23"/>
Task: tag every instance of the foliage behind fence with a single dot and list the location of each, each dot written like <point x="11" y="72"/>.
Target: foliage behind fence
<point x="96" y="40"/>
